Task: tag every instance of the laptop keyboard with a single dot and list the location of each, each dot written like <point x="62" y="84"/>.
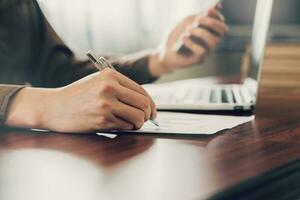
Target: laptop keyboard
<point x="216" y="94"/>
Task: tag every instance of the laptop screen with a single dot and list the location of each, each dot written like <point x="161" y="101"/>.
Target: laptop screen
<point x="259" y="40"/>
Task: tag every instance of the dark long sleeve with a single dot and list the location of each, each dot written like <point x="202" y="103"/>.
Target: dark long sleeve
<point x="32" y="53"/>
<point x="6" y="94"/>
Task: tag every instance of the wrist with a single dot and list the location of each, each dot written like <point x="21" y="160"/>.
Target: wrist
<point x="156" y="66"/>
<point x="28" y="108"/>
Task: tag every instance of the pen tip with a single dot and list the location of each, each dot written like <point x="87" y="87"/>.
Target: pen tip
<point x="155" y="122"/>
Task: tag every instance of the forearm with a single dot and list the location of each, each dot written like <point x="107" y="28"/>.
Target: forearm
<point x="141" y="67"/>
<point x="138" y="67"/>
<point x="94" y="103"/>
<point x="156" y="67"/>
<point x="28" y="108"/>
<point x="21" y="107"/>
<point x="7" y="92"/>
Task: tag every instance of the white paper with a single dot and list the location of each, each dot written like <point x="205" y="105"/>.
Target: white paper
<point x="108" y="135"/>
<point x="182" y="123"/>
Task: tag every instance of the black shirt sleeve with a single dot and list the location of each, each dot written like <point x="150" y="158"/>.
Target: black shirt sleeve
<point x="31" y="52"/>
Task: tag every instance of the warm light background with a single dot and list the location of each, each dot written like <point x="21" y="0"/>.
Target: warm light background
<point x="125" y="26"/>
<point x="115" y="26"/>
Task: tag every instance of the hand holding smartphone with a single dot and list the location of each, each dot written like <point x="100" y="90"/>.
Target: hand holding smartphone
<point x="181" y="48"/>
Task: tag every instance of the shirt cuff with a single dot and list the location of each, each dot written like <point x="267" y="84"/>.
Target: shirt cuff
<point x="135" y="66"/>
<point x="7" y="92"/>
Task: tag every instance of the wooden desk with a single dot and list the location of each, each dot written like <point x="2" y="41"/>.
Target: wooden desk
<point x="38" y="166"/>
<point x="281" y="67"/>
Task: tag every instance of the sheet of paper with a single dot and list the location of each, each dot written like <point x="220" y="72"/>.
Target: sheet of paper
<point x="182" y="123"/>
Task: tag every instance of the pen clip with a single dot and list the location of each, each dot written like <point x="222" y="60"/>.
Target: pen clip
<point x="99" y="60"/>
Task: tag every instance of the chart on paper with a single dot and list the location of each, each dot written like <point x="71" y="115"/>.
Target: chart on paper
<point x="182" y="123"/>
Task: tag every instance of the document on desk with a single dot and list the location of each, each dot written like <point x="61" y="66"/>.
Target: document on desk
<point x="183" y="123"/>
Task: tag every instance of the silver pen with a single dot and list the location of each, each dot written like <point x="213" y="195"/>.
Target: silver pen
<point x="101" y="63"/>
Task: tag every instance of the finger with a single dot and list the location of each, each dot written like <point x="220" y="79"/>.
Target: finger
<point x="123" y="80"/>
<point x="216" y="14"/>
<point x="111" y="122"/>
<point x="214" y="26"/>
<point x="119" y="124"/>
<point x="134" y="116"/>
<point x="194" y="47"/>
<point x="219" y="6"/>
<point x="126" y="82"/>
<point x="153" y="109"/>
<point x="209" y="40"/>
<point x="135" y="99"/>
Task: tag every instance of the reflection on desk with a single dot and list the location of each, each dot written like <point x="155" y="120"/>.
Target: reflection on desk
<point x="35" y="166"/>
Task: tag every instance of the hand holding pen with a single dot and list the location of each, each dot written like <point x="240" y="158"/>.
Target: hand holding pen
<point x="101" y="63"/>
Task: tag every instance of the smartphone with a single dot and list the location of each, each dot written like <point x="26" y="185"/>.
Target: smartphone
<point x="179" y="46"/>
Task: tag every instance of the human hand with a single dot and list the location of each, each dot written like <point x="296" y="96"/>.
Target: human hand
<point x="102" y="101"/>
<point x="199" y="34"/>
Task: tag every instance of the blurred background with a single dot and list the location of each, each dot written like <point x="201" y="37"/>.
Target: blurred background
<point x="126" y="26"/>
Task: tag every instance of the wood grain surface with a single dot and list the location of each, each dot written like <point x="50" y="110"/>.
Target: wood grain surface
<point x="38" y="166"/>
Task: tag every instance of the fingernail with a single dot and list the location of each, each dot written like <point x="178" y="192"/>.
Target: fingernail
<point x="154" y="114"/>
<point x="222" y="18"/>
<point x="220" y="5"/>
<point x="155" y="122"/>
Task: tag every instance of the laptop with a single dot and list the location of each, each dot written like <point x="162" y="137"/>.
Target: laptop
<point x="205" y="93"/>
